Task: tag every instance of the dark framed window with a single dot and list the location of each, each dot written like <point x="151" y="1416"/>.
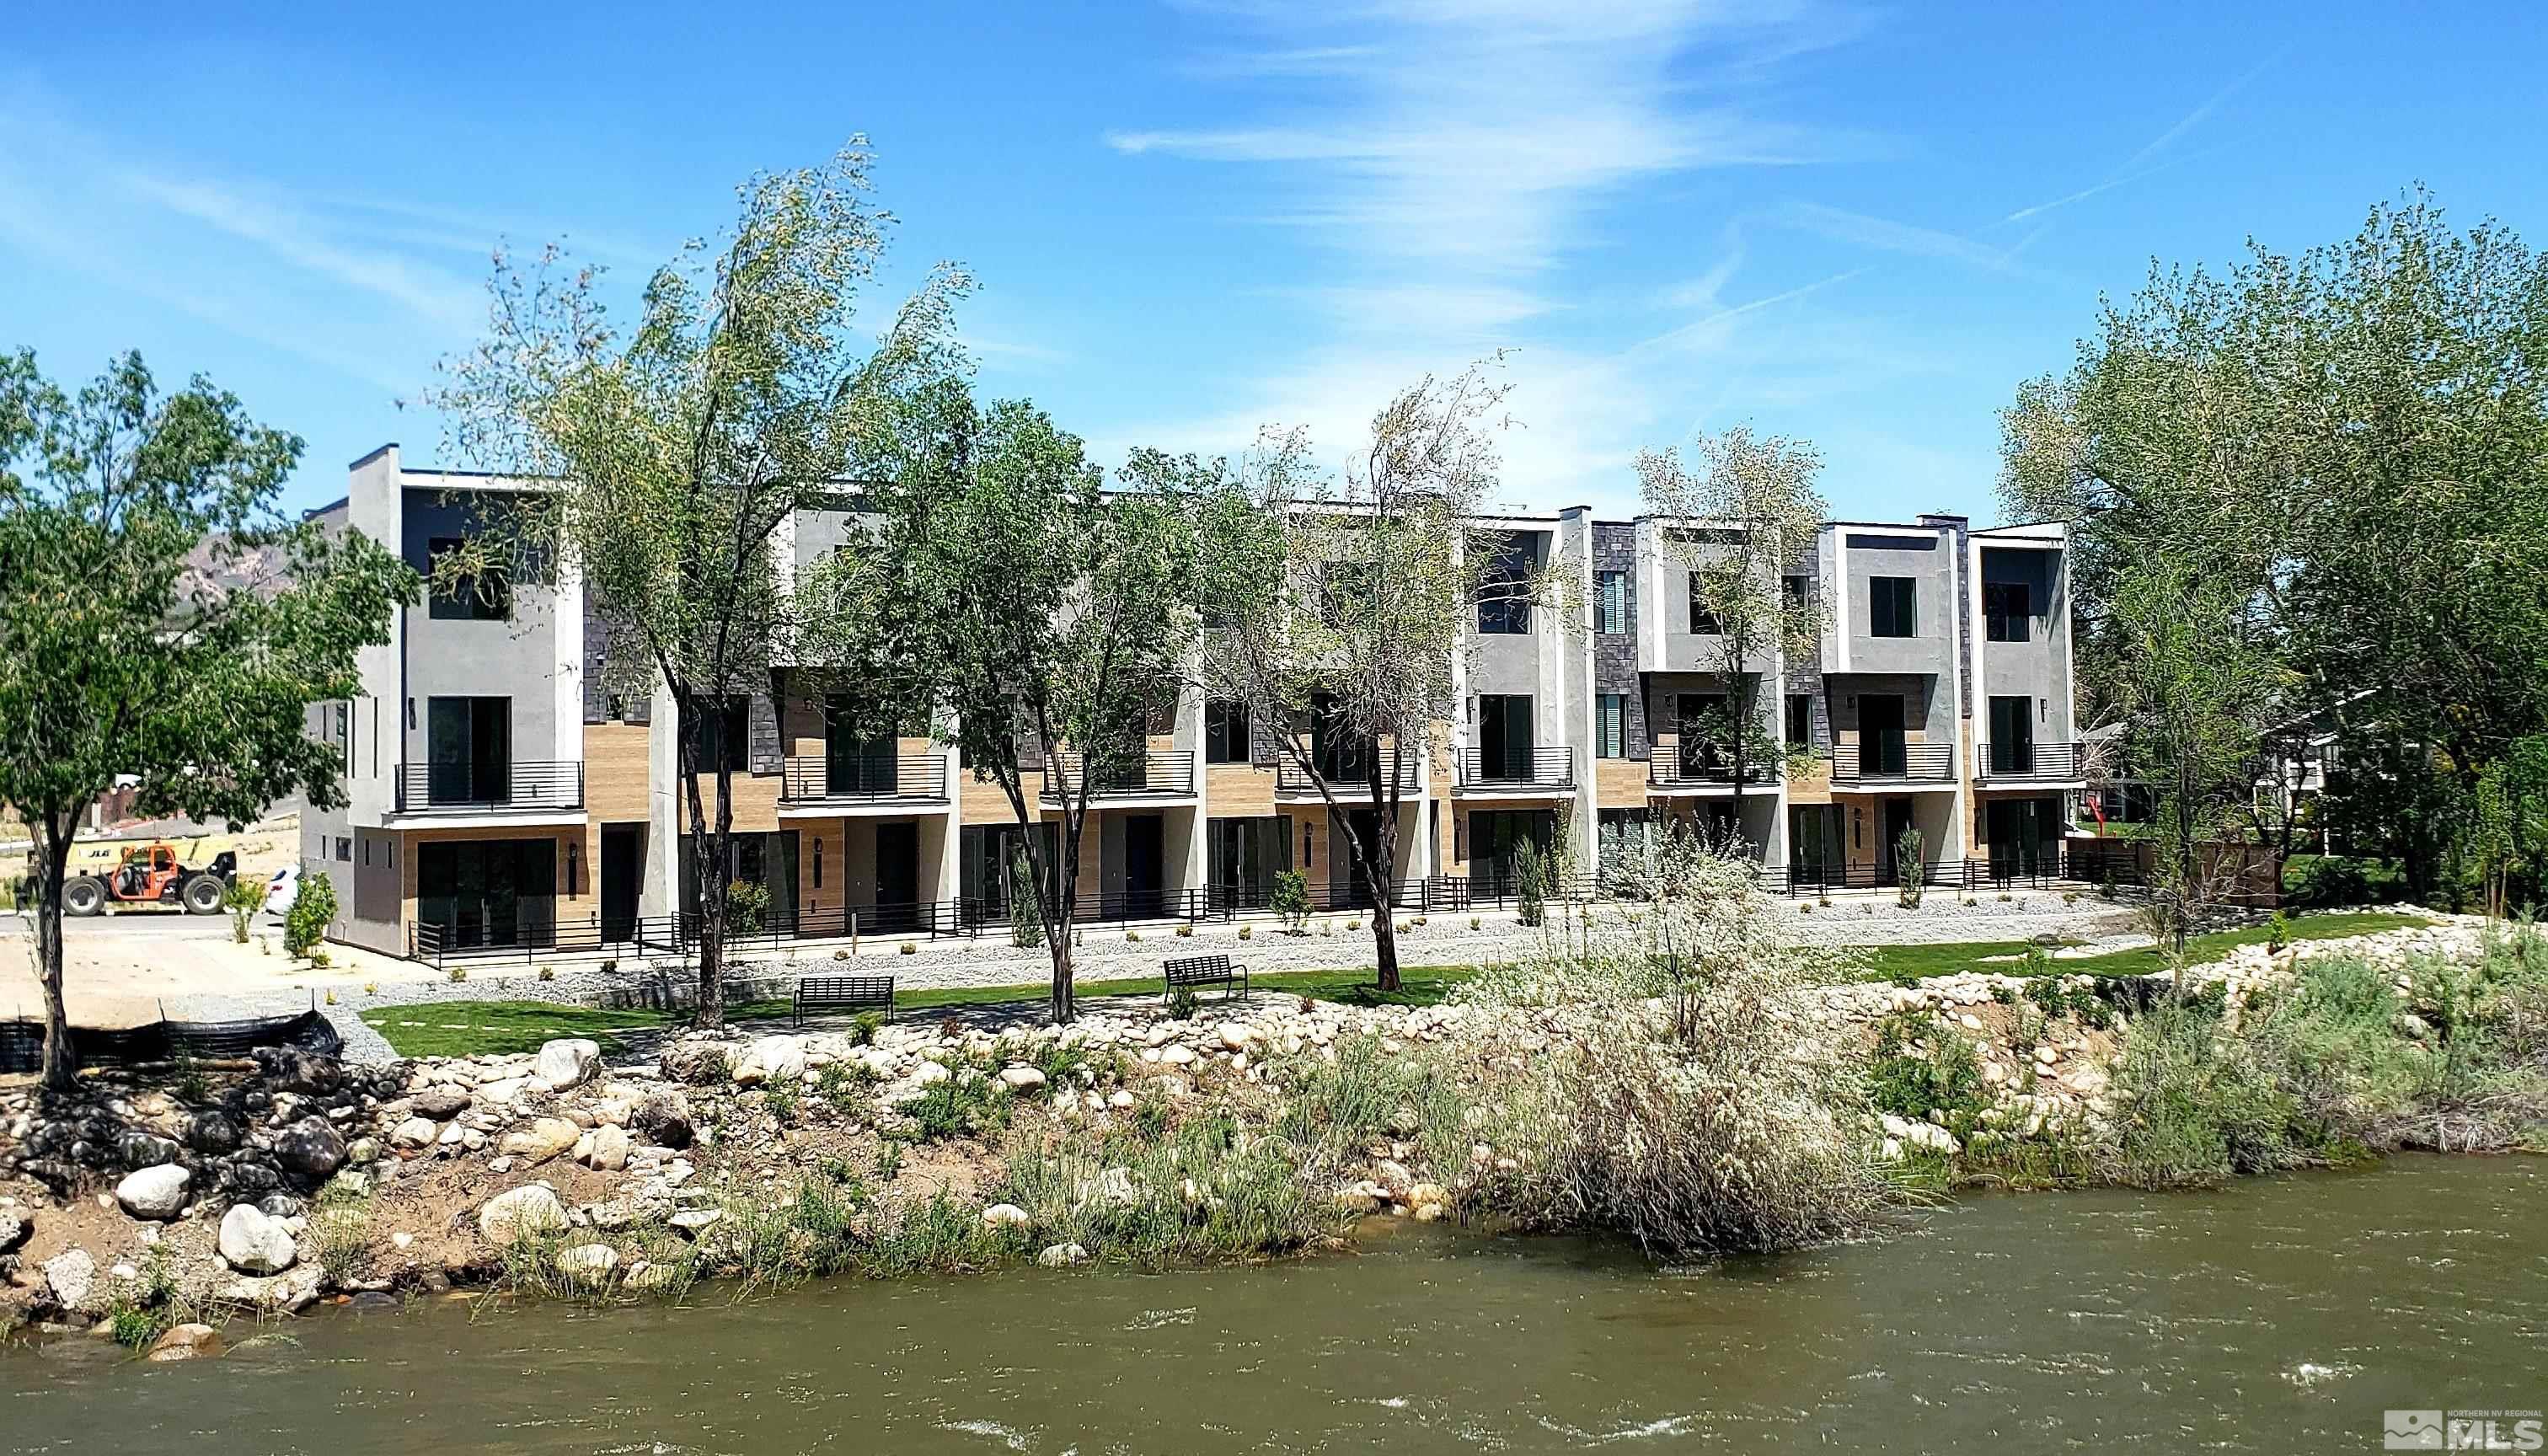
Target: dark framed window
<point x="1224" y="731"/>
<point x="2008" y="612"/>
<point x="1611" y="603"/>
<point x="1702" y="623"/>
<point x="1503" y="596"/>
<point x="722" y="730"/>
<point x="1800" y="591"/>
<point x="1892" y="606"/>
<point x="1800" y="720"/>
<point x="1611" y="726"/>
<point x="1344" y="593"/>
<point x="472" y="598"/>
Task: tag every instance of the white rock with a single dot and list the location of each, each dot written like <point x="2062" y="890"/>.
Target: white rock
<point x="1237" y="1035"/>
<point x="70" y="1276"/>
<point x="532" y="1208"/>
<point x="154" y="1193"/>
<point x="772" y="1058"/>
<point x="695" y="1221"/>
<point x="254" y="1243"/>
<point x="417" y="1132"/>
<point x="1006" y="1215"/>
<point x="610" y="1147"/>
<point x="1021" y="1078"/>
<point x="590" y="1261"/>
<point x="545" y="1138"/>
<point x="570" y="1061"/>
<point x="1176" y="1056"/>
<point x="1062" y="1255"/>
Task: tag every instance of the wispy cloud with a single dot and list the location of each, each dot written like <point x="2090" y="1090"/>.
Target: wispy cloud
<point x="2202" y="112"/>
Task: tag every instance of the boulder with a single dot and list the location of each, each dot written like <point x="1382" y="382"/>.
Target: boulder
<point x="441" y="1102"/>
<point x="154" y="1193"/>
<point x="587" y="1261"/>
<point x="1237" y="1035"/>
<point x="310" y="1147"/>
<point x="567" y="1062"/>
<point x="186" y="1343"/>
<point x="212" y="1132"/>
<point x="292" y="1069"/>
<point x="1021" y="1078"/>
<point x="610" y="1147"/>
<point x="139" y="1150"/>
<point x="770" y="1059"/>
<point x="414" y="1133"/>
<point x="69" y="1277"/>
<point x="543" y="1139"/>
<point x="14" y="1229"/>
<point x="1006" y="1215"/>
<point x="698" y="1063"/>
<point x="288" y="1293"/>
<point x="663" y="1119"/>
<point x="254" y="1243"/>
<point x="696" y="1222"/>
<point x="532" y="1208"/>
<point x="1062" y="1255"/>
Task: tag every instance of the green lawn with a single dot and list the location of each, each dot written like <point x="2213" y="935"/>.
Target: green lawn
<point x="494" y="1028"/>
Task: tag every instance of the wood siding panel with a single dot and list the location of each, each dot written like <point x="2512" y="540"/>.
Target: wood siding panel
<point x="1234" y="790"/>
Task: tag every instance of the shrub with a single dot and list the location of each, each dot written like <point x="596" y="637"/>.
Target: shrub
<point x="1530" y="884"/>
<point x="864" y="1026"/>
<point x="965" y="1103"/>
<point x="888" y="1162"/>
<point x="908" y="948"/>
<point x="1922" y="1064"/>
<point x="1183" y="1003"/>
<point x="1911" y="864"/>
<point x="1185" y="932"/>
<point x="1247" y="931"/>
<point x="1026" y="919"/>
<point x="313" y="911"/>
<point x="1476" y="923"/>
<point x="1290" y="900"/>
<point x="1133" y="936"/>
<point x="548" y="972"/>
<point x="780" y="1098"/>
<point x="2194" y="1108"/>
<point x="747" y="908"/>
<point x="2316" y="880"/>
<point x="2278" y="931"/>
<point x="457" y="975"/>
<point x="242" y="898"/>
<point x="1355" y="922"/>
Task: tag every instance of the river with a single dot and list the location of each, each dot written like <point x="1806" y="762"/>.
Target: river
<point x="2281" y="1315"/>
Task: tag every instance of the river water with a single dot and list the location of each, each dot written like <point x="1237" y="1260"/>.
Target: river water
<point x="2281" y="1315"/>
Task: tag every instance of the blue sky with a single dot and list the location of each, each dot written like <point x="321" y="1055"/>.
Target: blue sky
<point x="1858" y="223"/>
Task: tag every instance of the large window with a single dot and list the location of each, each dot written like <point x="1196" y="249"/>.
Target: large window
<point x="1702" y="623"/>
<point x="721" y="727"/>
<point x="467" y="750"/>
<point x="2008" y="614"/>
<point x="1892" y="606"/>
<point x="1224" y="731"/>
<point x="1503" y="597"/>
<point x="482" y="598"/>
<point x="1800" y="720"/>
<point x="1611" y="603"/>
<point x="1611" y="726"/>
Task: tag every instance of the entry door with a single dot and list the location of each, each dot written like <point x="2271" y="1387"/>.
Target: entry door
<point x="1880" y="735"/>
<point x="1144" y="883"/>
<point x="469" y="750"/>
<point x="898" y="876"/>
<point x="1702" y="715"/>
<point x="623" y="873"/>
<point x="1344" y="859"/>
<point x="1505" y="735"/>
<point x="2012" y="735"/>
<point x="1897" y="819"/>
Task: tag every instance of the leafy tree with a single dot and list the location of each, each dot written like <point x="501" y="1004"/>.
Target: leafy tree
<point x="1740" y="517"/>
<point x="2350" y="441"/>
<point x="1036" y="621"/>
<point x="163" y="618"/>
<point x="670" y="455"/>
<point x="2195" y="683"/>
<point x="1337" y="607"/>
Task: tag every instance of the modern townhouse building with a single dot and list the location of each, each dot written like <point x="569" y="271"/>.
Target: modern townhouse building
<point x="502" y="796"/>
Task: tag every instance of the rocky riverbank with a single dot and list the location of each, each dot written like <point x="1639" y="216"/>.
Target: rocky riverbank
<point x="149" y="1204"/>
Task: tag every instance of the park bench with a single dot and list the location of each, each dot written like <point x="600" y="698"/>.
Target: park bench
<point x="1196" y="973"/>
<point x="851" y="993"/>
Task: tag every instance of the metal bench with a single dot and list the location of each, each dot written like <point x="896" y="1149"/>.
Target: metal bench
<point x="843" y="993"/>
<point x="1199" y="971"/>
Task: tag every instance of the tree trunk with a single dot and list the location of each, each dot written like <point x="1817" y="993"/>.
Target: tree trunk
<point x="1379" y="870"/>
<point x="54" y="855"/>
<point x="707" y="870"/>
<point x="1062" y="915"/>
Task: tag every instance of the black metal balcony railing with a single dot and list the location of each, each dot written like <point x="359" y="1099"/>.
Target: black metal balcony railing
<point x="915" y="776"/>
<point x="1540" y="768"/>
<point x="1157" y="772"/>
<point x="1892" y="760"/>
<point x="1347" y="773"/>
<point x="2049" y="763"/>
<point x="484" y="786"/>
<point x="1700" y="767"/>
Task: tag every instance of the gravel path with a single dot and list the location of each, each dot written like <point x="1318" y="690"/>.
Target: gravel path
<point x="1114" y="954"/>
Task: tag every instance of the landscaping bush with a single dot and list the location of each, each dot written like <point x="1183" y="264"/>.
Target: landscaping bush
<point x="2317" y="880"/>
<point x="1290" y="900"/>
<point x="1530" y="885"/>
<point x="242" y="898"/>
<point x="313" y="911"/>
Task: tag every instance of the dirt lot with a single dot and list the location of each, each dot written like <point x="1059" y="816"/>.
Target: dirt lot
<point x="121" y="966"/>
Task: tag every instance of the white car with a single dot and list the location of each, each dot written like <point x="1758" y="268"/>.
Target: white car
<point x="282" y="890"/>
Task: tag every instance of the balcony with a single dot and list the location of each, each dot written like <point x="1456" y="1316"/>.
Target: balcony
<point x="1700" y="768"/>
<point x="1892" y="760"/>
<point x="1157" y="773"/>
<point x="1347" y="775"/>
<point x="1518" y="770"/>
<point x="909" y="778"/>
<point x="2031" y="762"/>
<point x="485" y="789"/>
